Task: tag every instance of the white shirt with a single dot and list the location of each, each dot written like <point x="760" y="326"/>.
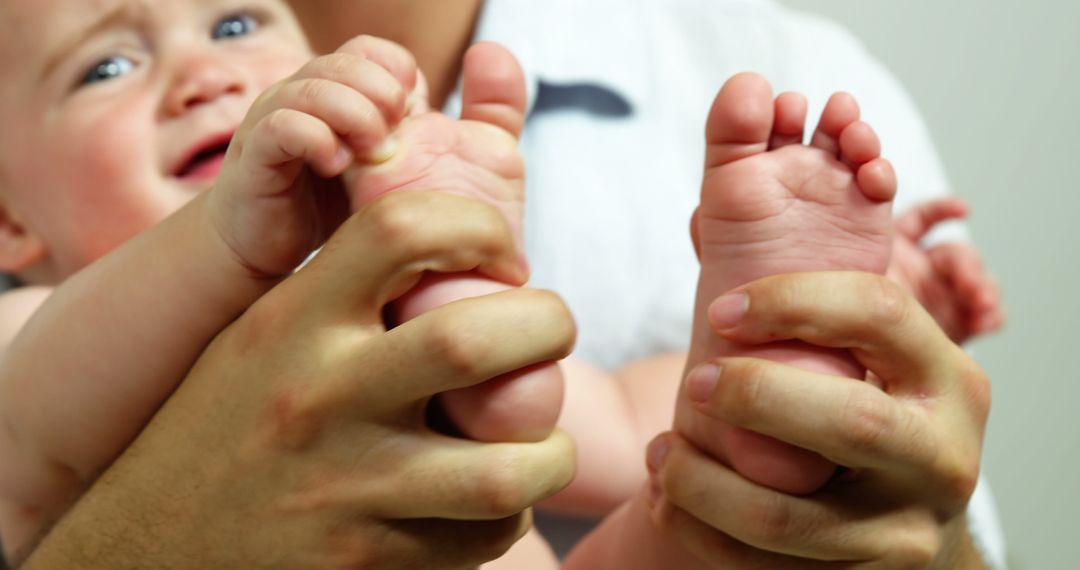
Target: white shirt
<point x="614" y="145"/>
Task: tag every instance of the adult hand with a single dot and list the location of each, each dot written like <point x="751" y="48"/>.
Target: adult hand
<point x="911" y="437"/>
<point x="299" y="439"/>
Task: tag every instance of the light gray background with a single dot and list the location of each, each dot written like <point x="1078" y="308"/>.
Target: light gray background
<point x="998" y="84"/>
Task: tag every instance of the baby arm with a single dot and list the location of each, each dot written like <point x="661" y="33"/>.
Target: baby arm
<point x="99" y="357"/>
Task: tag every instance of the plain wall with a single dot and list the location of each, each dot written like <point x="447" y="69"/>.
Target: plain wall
<point x="998" y="85"/>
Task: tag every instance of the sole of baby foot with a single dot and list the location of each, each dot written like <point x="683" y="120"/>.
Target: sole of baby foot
<point x="770" y="205"/>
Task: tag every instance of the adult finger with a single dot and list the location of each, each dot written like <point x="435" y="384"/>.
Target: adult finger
<point x="452" y="478"/>
<point x="383" y="249"/>
<point x="924" y="446"/>
<point x="453" y="346"/>
<point x="848" y="421"/>
<point x="718" y="550"/>
<point x="828" y="526"/>
<point x="885" y="328"/>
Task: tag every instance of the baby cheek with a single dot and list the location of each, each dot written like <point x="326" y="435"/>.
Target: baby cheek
<point x="112" y="194"/>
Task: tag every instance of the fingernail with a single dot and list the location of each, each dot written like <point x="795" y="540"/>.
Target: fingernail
<point x="654" y="491"/>
<point x="702" y="381"/>
<point x="526" y="269"/>
<point x="657" y="453"/>
<point x="383" y="152"/>
<point x="414" y="102"/>
<point x="727" y="311"/>
<point x="343" y="158"/>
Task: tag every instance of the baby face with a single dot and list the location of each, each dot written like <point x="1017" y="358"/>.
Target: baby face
<point x="114" y="113"/>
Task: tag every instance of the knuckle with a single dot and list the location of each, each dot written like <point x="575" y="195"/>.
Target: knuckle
<point x="262" y="326"/>
<point x="361" y="45"/>
<point x="480" y="234"/>
<point x="396" y="98"/>
<point x="975" y="384"/>
<point x="366" y="116"/>
<point x="391" y="223"/>
<point x="392" y="220"/>
<point x="338" y="64"/>
<point x="887" y="304"/>
<point x="797" y="311"/>
<point x="958" y="477"/>
<point x="786" y="298"/>
<point x="769" y="519"/>
<point x="741" y="389"/>
<point x="379" y="78"/>
<point x="868" y="421"/>
<point x="366" y="119"/>
<point x="295" y="419"/>
<point x="368" y="45"/>
<point x="489" y="223"/>
<point x="499" y="489"/>
<point x="278" y="123"/>
<point x="917" y="548"/>
<point x="456" y="344"/>
<point x="310" y="91"/>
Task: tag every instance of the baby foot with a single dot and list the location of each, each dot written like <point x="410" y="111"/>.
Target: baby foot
<point x="477" y="157"/>
<point x="769" y="205"/>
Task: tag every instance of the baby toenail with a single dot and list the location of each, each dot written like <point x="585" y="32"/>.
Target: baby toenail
<point x="657" y="453"/>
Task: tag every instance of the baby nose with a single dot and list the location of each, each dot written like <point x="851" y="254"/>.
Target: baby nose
<point x="202" y="80"/>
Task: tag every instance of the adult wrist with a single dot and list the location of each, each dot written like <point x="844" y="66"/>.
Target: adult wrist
<point x="960" y="553"/>
<point x="121" y="523"/>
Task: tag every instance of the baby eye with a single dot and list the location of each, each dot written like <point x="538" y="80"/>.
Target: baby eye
<point x="108" y="68"/>
<point x="234" y="26"/>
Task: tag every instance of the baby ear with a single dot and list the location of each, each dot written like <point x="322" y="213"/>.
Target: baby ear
<point x="20" y="248"/>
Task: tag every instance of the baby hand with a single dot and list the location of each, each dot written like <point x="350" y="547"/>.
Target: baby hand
<point x="279" y="196"/>
<point x="948" y="279"/>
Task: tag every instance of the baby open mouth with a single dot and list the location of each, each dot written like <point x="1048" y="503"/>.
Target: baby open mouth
<point x="204" y="165"/>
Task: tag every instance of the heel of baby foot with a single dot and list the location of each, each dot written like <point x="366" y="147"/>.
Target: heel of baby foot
<point x="522" y="406"/>
<point x="777" y="465"/>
